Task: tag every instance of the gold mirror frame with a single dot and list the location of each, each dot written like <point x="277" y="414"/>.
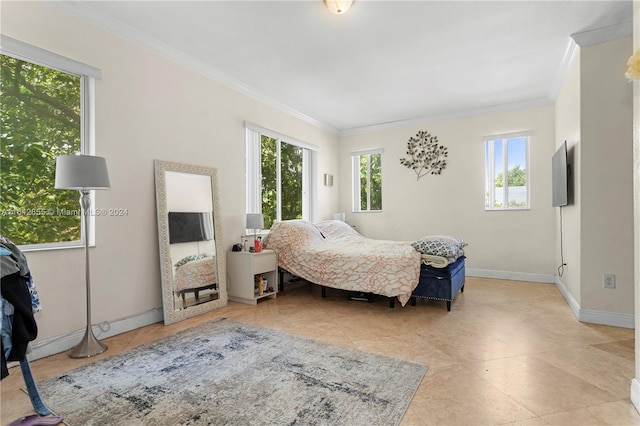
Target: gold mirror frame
<point x="172" y="315"/>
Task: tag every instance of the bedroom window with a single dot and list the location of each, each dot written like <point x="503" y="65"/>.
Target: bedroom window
<point x="279" y="176"/>
<point x="507" y="172"/>
<point x="45" y="112"/>
<point x="367" y="180"/>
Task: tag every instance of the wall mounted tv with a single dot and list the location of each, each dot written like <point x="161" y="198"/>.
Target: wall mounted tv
<point x="560" y="177"/>
<point x="185" y="227"/>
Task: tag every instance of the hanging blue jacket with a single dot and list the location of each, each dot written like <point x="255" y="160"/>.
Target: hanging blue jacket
<point x="14" y="288"/>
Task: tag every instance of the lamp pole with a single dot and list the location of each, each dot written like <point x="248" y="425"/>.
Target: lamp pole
<point x="89" y="345"/>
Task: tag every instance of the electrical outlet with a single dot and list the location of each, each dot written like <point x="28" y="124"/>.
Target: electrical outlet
<point x="609" y="281"/>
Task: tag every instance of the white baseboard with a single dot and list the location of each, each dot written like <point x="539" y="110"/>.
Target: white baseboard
<point x="614" y="319"/>
<point x="573" y="303"/>
<point x="509" y="275"/>
<point x="55" y="345"/>
<point x="592" y="316"/>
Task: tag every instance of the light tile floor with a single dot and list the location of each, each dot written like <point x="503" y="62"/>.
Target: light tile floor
<point x="509" y="352"/>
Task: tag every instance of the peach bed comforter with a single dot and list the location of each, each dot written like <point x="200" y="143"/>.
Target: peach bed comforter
<point x="333" y="254"/>
<point x="196" y="274"/>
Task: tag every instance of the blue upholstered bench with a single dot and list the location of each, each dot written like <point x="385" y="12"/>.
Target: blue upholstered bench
<point x="440" y="283"/>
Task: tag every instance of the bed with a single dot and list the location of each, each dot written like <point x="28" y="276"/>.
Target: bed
<point x="333" y="254"/>
<point x="195" y="274"/>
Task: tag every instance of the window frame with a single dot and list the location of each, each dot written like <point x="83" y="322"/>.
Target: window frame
<point x="87" y="75"/>
<point x="253" y="140"/>
<point x="355" y="180"/>
<point x="489" y="153"/>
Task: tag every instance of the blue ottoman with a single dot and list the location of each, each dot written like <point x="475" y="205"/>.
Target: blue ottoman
<point x="440" y="283"/>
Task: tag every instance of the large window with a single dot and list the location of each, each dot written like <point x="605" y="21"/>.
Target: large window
<point x="506" y="172"/>
<point x="279" y="176"/>
<point x="367" y="180"/>
<point x="44" y="113"/>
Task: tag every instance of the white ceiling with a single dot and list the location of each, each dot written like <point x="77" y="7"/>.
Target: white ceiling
<point x="381" y="63"/>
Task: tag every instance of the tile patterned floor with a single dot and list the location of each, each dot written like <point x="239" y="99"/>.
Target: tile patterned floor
<point x="508" y="353"/>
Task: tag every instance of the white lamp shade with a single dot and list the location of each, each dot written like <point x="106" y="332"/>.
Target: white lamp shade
<point x="255" y="221"/>
<point x="81" y="172"/>
<point x="338" y="7"/>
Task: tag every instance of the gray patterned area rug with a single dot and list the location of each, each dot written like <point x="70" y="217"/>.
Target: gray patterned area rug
<point x="229" y="373"/>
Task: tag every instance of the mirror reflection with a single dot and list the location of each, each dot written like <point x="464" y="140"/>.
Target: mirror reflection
<point x="189" y="240"/>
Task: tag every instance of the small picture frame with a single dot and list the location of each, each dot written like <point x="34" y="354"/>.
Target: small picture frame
<point x="328" y="180"/>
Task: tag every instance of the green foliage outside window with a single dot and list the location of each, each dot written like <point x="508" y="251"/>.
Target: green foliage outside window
<point x="290" y="181"/>
<point x="268" y="152"/>
<point x="291" y="177"/>
<point x="39" y="120"/>
<point x="517" y="178"/>
<point x="371" y="166"/>
<point x="516" y="175"/>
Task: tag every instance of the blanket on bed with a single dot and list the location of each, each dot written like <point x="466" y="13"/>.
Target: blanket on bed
<point x="333" y="254"/>
<point x="195" y="273"/>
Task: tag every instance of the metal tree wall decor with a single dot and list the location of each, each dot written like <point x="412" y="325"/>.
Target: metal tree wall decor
<point x="426" y="156"/>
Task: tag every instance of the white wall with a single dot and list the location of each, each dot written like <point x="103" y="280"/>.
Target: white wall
<point x="568" y="129"/>
<point x="147" y="108"/>
<point x="594" y="115"/>
<point x="453" y="202"/>
<point x="606" y="181"/>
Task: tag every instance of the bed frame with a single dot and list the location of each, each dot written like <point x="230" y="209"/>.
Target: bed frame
<point x="435" y="283"/>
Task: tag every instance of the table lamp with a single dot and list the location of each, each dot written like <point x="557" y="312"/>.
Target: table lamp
<point x="255" y="221"/>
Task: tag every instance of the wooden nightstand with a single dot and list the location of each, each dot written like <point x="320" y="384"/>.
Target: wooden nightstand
<point x="243" y="266"/>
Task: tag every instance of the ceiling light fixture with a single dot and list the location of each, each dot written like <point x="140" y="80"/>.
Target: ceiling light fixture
<point x="338" y="7"/>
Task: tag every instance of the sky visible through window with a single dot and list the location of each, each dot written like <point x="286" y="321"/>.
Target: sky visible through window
<point x="517" y="154"/>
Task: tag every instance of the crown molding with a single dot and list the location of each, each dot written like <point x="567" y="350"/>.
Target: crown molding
<point x="130" y="34"/>
<point x="513" y="106"/>
<point x="582" y="39"/>
<point x="603" y="34"/>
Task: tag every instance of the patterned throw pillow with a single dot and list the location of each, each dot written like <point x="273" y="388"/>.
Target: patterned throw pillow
<point x="437" y="247"/>
<point x="460" y="243"/>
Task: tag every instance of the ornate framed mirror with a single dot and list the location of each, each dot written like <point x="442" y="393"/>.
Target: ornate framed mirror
<point x="192" y="265"/>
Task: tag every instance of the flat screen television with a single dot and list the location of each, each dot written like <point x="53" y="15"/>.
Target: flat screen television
<point x="560" y="178"/>
<point x="185" y="227"/>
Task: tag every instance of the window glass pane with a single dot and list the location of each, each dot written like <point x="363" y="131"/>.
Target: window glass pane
<point x="268" y="153"/>
<point x="40" y="119"/>
<point x="488" y="183"/>
<point x="506" y="184"/>
<point x="363" y="182"/>
<point x="498" y="174"/>
<point x="376" y="182"/>
<point x="291" y="177"/>
<point x="517" y="172"/>
<point x="367" y="188"/>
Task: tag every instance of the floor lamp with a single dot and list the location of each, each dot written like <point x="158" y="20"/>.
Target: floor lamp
<point x="84" y="173"/>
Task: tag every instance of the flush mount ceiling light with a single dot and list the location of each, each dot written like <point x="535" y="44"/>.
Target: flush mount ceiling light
<point x="338" y="7"/>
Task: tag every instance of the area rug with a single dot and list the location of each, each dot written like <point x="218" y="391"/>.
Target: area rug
<point x="229" y="373"/>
